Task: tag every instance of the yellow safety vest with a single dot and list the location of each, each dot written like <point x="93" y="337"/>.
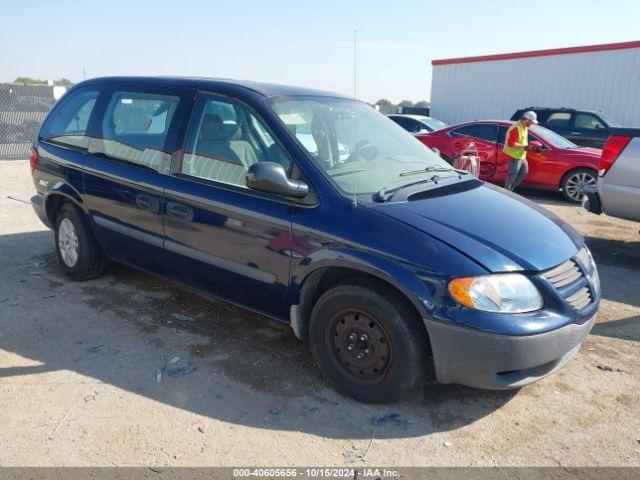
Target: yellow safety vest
<point x="522" y="140"/>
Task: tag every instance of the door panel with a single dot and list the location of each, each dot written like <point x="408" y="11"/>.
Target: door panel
<point x="124" y="206"/>
<point x="220" y="241"/>
<point x="128" y="157"/>
<point x="220" y="236"/>
<point x="588" y="130"/>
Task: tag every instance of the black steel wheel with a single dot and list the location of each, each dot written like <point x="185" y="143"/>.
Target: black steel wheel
<point x="368" y="341"/>
<point x="361" y="345"/>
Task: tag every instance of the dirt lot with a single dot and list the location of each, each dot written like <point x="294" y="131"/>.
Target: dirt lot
<point x="79" y="362"/>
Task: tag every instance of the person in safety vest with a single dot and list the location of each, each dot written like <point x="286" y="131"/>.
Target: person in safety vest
<point x="516" y="147"/>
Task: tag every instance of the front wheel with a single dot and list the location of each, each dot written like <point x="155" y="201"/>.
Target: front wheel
<point x="576" y="181"/>
<point x="368" y="342"/>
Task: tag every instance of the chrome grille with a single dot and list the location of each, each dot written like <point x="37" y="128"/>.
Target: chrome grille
<point x="564" y="274"/>
<point x="580" y="299"/>
<point x="568" y="276"/>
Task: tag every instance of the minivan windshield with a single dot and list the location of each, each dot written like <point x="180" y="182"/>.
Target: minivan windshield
<point x="355" y="146"/>
<point x="551" y="137"/>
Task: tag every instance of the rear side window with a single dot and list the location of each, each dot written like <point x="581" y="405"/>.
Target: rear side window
<point x="558" y="119"/>
<point x="68" y="123"/>
<point x="482" y="131"/>
<point x="135" y="126"/>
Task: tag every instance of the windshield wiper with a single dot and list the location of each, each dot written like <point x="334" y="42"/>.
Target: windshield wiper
<point x="385" y="193"/>
<point x="432" y="168"/>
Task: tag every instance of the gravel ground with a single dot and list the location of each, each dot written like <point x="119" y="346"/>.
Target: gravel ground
<point x="79" y="385"/>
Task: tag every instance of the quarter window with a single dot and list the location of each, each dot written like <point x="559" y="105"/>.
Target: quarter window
<point x="224" y="140"/>
<point x="69" y="122"/>
<point x="135" y="126"/>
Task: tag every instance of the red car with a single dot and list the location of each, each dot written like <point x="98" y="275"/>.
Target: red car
<point x="559" y="163"/>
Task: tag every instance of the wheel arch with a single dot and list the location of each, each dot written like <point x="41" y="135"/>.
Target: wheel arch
<point x="314" y="283"/>
<point x="573" y="168"/>
<point x="54" y="201"/>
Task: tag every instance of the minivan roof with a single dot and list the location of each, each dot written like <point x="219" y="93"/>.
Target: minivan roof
<point x="264" y="89"/>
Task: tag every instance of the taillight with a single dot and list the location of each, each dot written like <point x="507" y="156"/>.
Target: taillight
<point x="611" y="151"/>
<point x="33" y="159"/>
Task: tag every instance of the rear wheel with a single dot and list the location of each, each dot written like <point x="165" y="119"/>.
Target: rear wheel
<point x="368" y="342"/>
<point x="78" y="252"/>
<point x="574" y="183"/>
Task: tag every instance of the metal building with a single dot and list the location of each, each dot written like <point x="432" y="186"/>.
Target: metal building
<point x="597" y="77"/>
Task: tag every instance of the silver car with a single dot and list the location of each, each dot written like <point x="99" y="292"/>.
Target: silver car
<point x="618" y="191"/>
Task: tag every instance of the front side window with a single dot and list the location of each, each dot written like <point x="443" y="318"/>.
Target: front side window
<point x="69" y="122"/>
<point x="551" y="137"/>
<point x="225" y="138"/>
<point x="135" y="126"/>
<point x="355" y="146"/>
<point x="482" y="131"/>
<point x="586" y="121"/>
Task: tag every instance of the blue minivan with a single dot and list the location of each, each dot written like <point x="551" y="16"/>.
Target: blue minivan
<point x="315" y="210"/>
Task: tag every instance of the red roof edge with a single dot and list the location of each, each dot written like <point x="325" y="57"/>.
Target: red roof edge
<point x="538" y="53"/>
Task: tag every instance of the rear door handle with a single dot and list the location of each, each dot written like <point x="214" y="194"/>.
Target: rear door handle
<point x="576" y="133"/>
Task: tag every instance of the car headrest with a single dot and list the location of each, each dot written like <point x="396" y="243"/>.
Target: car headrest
<point x="213" y="129"/>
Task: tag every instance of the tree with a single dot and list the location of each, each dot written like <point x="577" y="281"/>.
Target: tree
<point x="405" y="103"/>
<point x="422" y="104"/>
<point x="29" y="81"/>
<point x="63" y="82"/>
<point x="385" y="105"/>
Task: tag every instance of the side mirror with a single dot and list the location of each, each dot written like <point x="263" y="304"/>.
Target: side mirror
<point x="270" y="177"/>
<point x="537" y="146"/>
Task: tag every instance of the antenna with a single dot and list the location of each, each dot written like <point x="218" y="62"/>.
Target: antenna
<point x="354" y="202"/>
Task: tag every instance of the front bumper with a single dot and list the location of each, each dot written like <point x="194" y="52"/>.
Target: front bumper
<point x="591" y="201"/>
<point x="500" y="362"/>
<point x="37" y="202"/>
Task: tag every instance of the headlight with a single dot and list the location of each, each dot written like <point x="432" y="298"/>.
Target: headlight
<point x="502" y="293"/>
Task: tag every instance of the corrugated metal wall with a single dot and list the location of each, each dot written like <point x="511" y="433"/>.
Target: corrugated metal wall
<point x="608" y="81"/>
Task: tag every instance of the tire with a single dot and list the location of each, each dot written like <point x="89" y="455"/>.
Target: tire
<point x="389" y="366"/>
<point x="78" y="252"/>
<point x="575" y="181"/>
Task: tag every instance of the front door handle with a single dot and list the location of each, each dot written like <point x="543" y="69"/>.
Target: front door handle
<point x="179" y="211"/>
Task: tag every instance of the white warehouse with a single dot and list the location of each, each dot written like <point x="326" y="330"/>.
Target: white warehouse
<point x="604" y="78"/>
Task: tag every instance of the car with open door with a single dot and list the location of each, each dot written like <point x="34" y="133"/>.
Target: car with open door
<point x="316" y="211"/>
<point x="556" y="163"/>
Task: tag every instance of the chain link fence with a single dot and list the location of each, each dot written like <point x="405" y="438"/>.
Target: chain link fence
<point x="22" y="108"/>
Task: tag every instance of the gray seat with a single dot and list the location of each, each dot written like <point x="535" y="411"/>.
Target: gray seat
<point x="220" y="155"/>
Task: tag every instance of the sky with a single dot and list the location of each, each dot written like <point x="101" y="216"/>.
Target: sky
<point x="293" y="42"/>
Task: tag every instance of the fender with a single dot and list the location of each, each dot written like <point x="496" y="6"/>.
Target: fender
<point x="423" y="289"/>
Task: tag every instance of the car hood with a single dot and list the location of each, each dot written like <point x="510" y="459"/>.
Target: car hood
<point x="498" y="229"/>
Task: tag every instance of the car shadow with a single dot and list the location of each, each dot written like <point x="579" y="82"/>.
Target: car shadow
<point x="157" y="339"/>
